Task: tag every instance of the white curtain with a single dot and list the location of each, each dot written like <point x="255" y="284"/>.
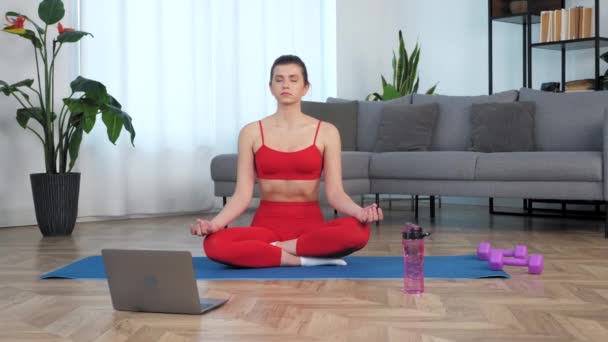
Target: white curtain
<point x="191" y="73"/>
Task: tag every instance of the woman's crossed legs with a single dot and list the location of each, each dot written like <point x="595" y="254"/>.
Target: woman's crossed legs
<point x="262" y="247"/>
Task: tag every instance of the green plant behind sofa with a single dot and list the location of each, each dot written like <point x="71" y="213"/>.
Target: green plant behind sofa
<point x="405" y="75"/>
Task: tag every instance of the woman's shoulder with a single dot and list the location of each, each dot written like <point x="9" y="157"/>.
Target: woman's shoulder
<point x="327" y="127"/>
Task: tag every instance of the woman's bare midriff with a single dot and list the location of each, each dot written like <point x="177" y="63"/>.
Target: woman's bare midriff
<point x="280" y="190"/>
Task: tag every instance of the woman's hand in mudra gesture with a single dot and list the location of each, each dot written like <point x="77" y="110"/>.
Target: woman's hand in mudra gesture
<point x="203" y="227"/>
<point x="369" y="214"/>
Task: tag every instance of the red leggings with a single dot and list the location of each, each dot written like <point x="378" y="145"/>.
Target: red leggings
<point x="281" y="221"/>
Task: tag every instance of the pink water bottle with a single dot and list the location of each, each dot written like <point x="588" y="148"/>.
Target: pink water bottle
<point x="413" y="258"/>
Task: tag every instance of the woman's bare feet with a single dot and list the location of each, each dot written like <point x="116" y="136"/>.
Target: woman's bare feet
<point x="289" y="259"/>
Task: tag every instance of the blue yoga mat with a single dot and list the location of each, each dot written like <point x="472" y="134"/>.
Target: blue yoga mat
<point x="359" y="267"/>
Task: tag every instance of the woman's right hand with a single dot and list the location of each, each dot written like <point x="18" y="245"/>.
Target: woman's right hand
<point x="203" y="227"/>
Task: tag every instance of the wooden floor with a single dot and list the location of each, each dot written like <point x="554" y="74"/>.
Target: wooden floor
<point x="568" y="302"/>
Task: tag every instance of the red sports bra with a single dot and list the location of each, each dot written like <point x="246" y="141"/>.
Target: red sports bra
<point x="305" y="164"/>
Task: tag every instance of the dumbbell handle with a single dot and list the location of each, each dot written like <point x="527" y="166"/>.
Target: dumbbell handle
<point x="515" y="262"/>
<point x="505" y="252"/>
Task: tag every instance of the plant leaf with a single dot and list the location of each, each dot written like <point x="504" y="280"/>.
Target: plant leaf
<point x="74" y="145"/>
<point x="113" y="118"/>
<point x="31" y="36"/>
<point x="25" y="114"/>
<point x="84" y="106"/>
<point x="390" y="93"/>
<point x="51" y="11"/>
<point x="394" y="65"/>
<point x="404" y="66"/>
<point x="400" y="63"/>
<point x="115" y="102"/>
<point x="92" y="89"/>
<point x="4" y="88"/>
<point x="25" y="83"/>
<point x="9" y="89"/>
<point x="432" y="89"/>
<point x="384" y="83"/>
<point x="27" y="34"/>
<point x="72" y="36"/>
<point x="127" y="122"/>
<point x="413" y="72"/>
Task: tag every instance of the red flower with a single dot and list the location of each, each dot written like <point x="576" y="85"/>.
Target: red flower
<point x="62" y="29"/>
<point x="16" y="25"/>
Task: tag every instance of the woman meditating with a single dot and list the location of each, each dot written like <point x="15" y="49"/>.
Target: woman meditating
<point x="287" y="151"/>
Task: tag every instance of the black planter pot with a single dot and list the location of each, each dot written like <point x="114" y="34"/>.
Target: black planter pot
<point x="55" y="202"/>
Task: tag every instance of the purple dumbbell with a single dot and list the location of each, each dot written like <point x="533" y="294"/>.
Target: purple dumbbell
<point x="484" y="249"/>
<point x="535" y="263"/>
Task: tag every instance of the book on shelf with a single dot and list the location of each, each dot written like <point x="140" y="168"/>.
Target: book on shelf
<point x="580" y="85"/>
<point x="566" y="24"/>
<point x="587" y="22"/>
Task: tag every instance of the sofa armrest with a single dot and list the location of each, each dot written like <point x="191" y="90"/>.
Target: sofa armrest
<point x="605" y="154"/>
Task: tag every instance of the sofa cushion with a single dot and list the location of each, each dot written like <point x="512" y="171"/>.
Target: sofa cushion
<point x="567" y="121"/>
<point x="453" y="129"/>
<point x="354" y="165"/>
<point x="452" y="165"/>
<point x="368" y="119"/>
<point x="342" y="115"/>
<point x="406" y="128"/>
<point x="540" y="166"/>
<point x="502" y="127"/>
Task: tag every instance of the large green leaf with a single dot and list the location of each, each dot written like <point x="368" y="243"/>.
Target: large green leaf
<point x="114" y="102"/>
<point x="51" y="11"/>
<point x="127" y="121"/>
<point x="74" y="145"/>
<point x="72" y="36"/>
<point x="113" y="119"/>
<point x="25" y="114"/>
<point x="87" y="107"/>
<point x="92" y="89"/>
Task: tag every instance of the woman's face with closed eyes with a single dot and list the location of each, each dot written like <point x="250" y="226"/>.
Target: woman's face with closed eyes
<point x="287" y="84"/>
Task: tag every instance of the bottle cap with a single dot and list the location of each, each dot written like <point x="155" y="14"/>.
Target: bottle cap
<point x="413" y="232"/>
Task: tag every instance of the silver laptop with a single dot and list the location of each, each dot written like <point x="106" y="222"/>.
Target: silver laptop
<point x="154" y="281"/>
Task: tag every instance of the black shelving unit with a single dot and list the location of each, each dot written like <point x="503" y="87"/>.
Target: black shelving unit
<point x="498" y="11"/>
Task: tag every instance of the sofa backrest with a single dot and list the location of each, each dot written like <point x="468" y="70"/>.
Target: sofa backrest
<point x="453" y="129"/>
<point x="368" y="119"/>
<point x="567" y="121"/>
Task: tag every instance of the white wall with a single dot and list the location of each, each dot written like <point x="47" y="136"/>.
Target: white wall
<point x="454" y="40"/>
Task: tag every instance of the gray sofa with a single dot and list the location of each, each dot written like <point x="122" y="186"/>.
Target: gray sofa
<point x="567" y="163"/>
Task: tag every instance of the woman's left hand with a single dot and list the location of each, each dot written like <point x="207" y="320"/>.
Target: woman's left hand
<point x="371" y="213"/>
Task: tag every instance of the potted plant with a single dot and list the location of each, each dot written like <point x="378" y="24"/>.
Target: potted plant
<point x="405" y="75"/>
<point x="58" y="125"/>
